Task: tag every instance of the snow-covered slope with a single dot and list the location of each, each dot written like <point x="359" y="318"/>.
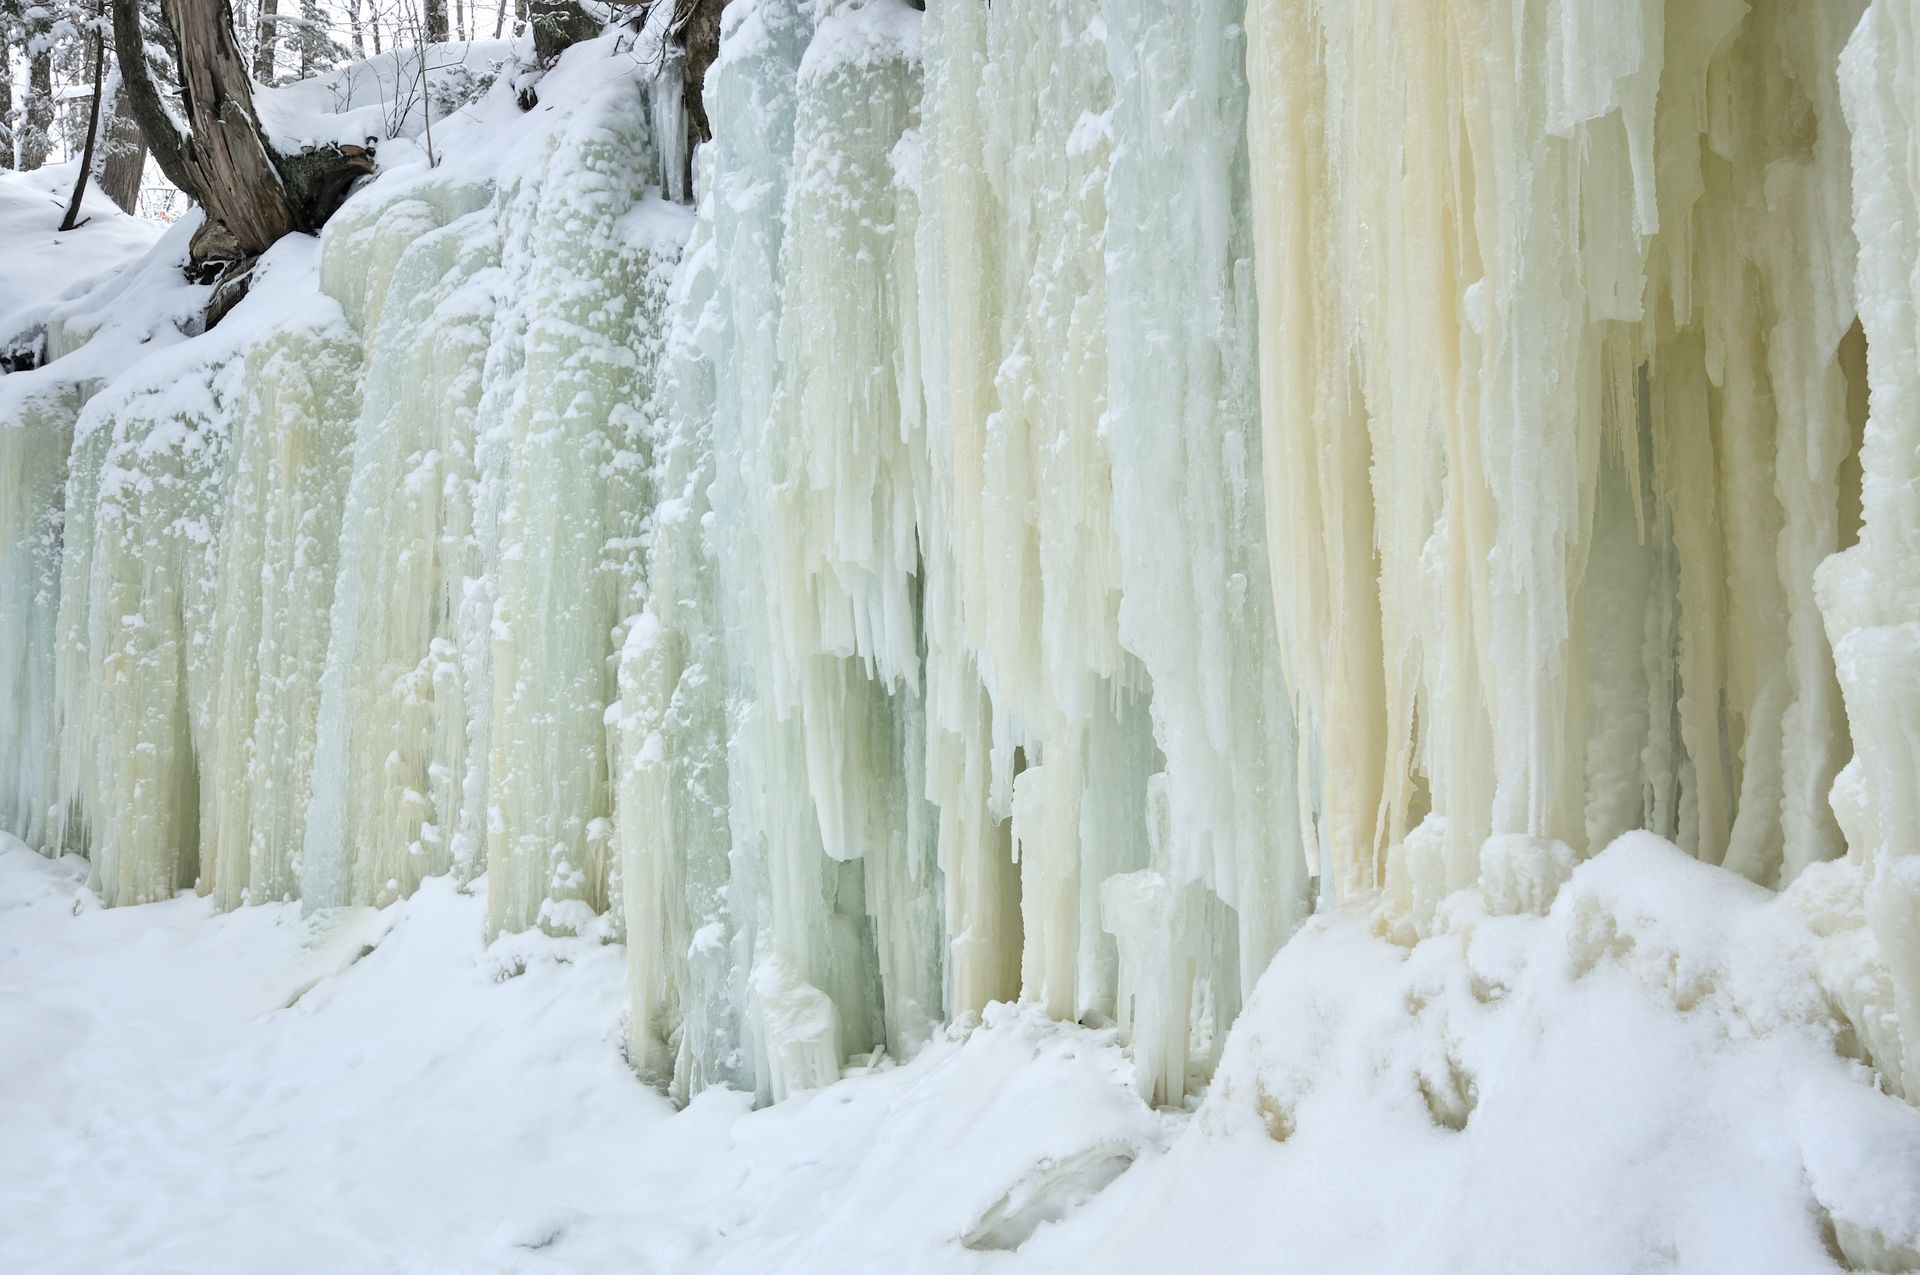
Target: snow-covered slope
<point x="1647" y="1079"/>
<point x="38" y="264"/>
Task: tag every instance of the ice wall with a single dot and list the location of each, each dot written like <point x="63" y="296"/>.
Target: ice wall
<point x="1087" y="483"/>
<point x="984" y="475"/>
<point x="1557" y="381"/>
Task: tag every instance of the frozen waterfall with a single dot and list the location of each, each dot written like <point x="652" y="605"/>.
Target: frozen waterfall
<point x="1080" y="486"/>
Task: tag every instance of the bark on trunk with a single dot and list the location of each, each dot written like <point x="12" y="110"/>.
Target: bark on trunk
<point x="124" y="164"/>
<point x="436" y="19"/>
<point x="698" y="30"/>
<point x="38" y="139"/>
<point x="6" y="98"/>
<point x="263" y="41"/>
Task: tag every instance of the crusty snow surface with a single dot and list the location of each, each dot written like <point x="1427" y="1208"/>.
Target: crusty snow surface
<point x="1640" y="1078"/>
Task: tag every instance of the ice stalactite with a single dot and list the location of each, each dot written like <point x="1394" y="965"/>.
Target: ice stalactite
<point x="135" y="660"/>
<point x="38" y="435"/>
<point x="1557" y="402"/>
<point x="950" y="220"/>
<point x="1183" y="427"/>
<point x="692" y="845"/>
<point x="670" y="761"/>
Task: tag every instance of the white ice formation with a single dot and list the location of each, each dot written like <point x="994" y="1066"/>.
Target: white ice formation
<point x="1087" y="483"/>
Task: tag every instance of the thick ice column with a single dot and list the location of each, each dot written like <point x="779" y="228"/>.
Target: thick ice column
<point x="588" y="249"/>
<point x="1814" y="362"/>
<point x="836" y="644"/>
<point x="392" y="757"/>
<point x="36" y="435"/>
<point x="273" y="592"/>
<point x="1870" y="593"/>
<point x="950" y="212"/>
<point x="685" y="978"/>
<point x="1025" y="669"/>
<point x="138" y="582"/>
<point x="1190" y="492"/>
<point x="1320" y="516"/>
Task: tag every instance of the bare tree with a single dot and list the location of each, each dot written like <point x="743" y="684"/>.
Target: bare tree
<point x="7" y="17"/>
<point x="72" y="219"/>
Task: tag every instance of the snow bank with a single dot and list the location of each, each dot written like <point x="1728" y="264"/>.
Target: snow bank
<point x="1650" y="1077"/>
<point x="40" y="266"/>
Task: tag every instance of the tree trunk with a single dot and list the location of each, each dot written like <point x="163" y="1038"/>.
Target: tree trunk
<point x="353" y="25"/>
<point x="224" y="160"/>
<point x="312" y="27"/>
<point x="124" y="163"/>
<point x="697" y="27"/>
<point x="263" y="41"/>
<point x="6" y="94"/>
<point x="37" y="139"/>
<point x="437" y="20"/>
<point x="557" y="24"/>
<point x="72" y="218"/>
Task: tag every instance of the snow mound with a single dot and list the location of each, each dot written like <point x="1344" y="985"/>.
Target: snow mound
<point x="1651" y="1077"/>
<point x="38" y="264"/>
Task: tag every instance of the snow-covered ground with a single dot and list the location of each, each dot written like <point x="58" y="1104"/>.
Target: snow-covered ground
<point x="370" y="1091"/>
<point x="1645" y="1080"/>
